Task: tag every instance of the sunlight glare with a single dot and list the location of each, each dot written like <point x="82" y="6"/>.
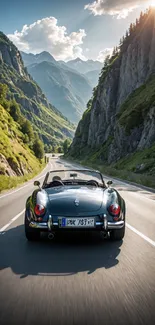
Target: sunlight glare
<point x="152" y="3"/>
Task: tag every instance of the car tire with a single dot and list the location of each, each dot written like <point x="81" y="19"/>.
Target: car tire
<point x="117" y="234"/>
<point x="30" y="233"/>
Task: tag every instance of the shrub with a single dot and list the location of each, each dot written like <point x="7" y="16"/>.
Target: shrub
<point x="38" y="148"/>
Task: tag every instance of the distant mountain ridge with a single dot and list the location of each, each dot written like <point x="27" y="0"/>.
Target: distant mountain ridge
<point x="37" y="58"/>
<point x="64" y="84"/>
<point x="84" y="66"/>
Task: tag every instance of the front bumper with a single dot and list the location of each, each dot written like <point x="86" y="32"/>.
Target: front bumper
<point x="100" y="225"/>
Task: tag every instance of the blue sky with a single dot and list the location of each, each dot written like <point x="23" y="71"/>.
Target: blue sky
<point x="66" y="28"/>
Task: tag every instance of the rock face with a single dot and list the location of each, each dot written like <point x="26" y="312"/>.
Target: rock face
<point x="10" y="55"/>
<point x="122" y="114"/>
<point x="5" y="167"/>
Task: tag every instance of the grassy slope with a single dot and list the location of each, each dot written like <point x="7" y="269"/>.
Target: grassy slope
<point x="16" y="152"/>
<point x="124" y="169"/>
<point x="133" y="111"/>
<point x="48" y="122"/>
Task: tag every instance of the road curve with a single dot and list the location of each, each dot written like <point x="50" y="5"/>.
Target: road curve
<point x="78" y="280"/>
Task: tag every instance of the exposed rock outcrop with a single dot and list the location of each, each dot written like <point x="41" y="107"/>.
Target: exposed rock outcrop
<point x="122" y="115"/>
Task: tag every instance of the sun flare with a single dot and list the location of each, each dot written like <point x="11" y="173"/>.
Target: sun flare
<point x="152" y="3"/>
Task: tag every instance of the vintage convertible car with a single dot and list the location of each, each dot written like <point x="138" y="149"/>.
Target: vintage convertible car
<point x="70" y="200"/>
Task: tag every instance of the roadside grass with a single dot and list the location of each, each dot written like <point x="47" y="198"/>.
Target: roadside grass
<point x="10" y="182"/>
<point x="125" y="169"/>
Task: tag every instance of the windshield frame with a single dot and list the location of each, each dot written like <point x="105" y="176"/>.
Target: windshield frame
<point x="102" y="184"/>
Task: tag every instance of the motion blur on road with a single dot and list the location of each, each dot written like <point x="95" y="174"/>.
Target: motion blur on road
<point x="80" y="279"/>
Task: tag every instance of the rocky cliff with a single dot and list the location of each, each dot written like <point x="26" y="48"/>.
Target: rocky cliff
<point x="47" y="121"/>
<point x="120" y="118"/>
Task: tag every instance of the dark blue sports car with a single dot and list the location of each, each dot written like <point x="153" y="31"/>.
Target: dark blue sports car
<point x="72" y="200"/>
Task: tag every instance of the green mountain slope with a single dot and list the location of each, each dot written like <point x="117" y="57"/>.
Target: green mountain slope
<point x="21" y="151"/>
<point x="50" y="124"/>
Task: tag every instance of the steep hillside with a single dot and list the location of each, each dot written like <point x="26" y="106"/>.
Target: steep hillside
<point x="51" y="126"/>
<point x="21" y="151"/>
<point x="65" y="87"/>
<point x="16" y="158"/>
<point x="120" y="118"/>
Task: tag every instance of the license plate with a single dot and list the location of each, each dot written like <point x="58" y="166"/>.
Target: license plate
<point x="77" y="222"/>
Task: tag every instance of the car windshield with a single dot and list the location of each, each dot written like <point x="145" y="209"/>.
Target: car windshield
<point x="74" y="176"/>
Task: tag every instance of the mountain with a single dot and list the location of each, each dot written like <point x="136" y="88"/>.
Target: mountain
<point x="46" y="120"/>
<point x="68" y="85"/>
<point x="67" y="89"/>
<point x="37" y="58"/>
<point x="118" y="127"/>
<point x="84" y="66"/>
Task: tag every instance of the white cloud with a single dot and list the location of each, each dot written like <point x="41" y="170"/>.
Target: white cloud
<point x="102" y="54"/>
<point x="119" y="8"/>
<point x="46" y="35"/>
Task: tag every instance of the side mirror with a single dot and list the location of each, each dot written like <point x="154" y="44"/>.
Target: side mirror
<point x="36" y="183"/>
<point x="109" y="183"/>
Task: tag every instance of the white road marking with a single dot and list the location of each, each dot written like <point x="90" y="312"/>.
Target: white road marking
<point x="11" y="221"/>
<point x="150" y="241"/>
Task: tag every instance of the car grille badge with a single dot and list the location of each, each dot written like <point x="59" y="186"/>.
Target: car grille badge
<point x="77" y="202"/>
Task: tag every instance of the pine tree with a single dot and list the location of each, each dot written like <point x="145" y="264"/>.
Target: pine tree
<point x="131" y="29"/>
<point x="127" y="34"/>
<point x="106" y="61"/>
<point x="114" y="51"/>
<point x="141" y="17"/>
<point x="121" y="42"/>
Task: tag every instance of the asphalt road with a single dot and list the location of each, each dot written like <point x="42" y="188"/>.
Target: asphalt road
<point x="80" y="279"/>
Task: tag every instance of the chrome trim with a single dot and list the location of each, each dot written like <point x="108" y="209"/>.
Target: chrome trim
<point x="55" y="224"/>
<point x="105" y="222"/>
<point x="39" y="225"/>
<point x="99" y="223"/>
<point x="106" y="225"/>
<point x="116" y="225"/>
<point x="49" y="222"/>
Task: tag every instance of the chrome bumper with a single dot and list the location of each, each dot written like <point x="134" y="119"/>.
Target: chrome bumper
<point x="106" y="225"/>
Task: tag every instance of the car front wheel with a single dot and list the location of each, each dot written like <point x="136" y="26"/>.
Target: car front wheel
<point x="30" y="233"/>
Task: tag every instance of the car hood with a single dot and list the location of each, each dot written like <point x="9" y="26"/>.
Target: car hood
<point x="74" y="201"/>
